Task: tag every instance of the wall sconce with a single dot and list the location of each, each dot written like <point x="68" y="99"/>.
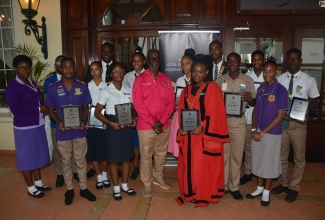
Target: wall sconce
<point x="29" y="9"/>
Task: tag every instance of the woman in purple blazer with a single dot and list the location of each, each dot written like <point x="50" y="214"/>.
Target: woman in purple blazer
<point x="25" y="103"/>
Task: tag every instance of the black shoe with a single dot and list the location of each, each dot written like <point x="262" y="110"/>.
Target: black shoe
<point x="39" y="195"/>
<point x="117" y="196"/>
<point x="76" y="177"/>
<point x="266" y="203"/>
<point x="88" y="195"/>
<point x="99" y="185"/>
<point x="107" y="183"/>
<point x="91" y="173"/>
<point x="236" y="195"/>
<point x="43" y="188"/>
<point x="250" y="196"/>
<point x="279" y="189"/>
<point x="291" y="195"/>
<point x="135" y="173"/>
<point x="246" y="178"/>
<point x="59" y="181"/>
<point x="69" y="194"/>
<point x="130" y="192"/>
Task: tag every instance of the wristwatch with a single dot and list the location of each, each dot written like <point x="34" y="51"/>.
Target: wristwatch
<point x="253" y="129"/>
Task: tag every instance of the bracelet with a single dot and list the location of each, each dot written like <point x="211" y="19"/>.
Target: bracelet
<point x="262" y="133"/>
<point x="112" y="124"/>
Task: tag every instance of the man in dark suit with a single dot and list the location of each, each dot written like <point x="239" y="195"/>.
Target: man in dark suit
<point x="107" y="56"/>
<point x="219" y="66"/>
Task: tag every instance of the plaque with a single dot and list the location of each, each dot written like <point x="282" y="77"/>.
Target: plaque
<point x="178" y="92"/>
<point x="189" y="119"/>
<point x="233" y="104"/>
<point x="71" y="116"/>
<point x="92" y="120"/>
<point x="124" y="114"/>
<point x="298" y="109"/>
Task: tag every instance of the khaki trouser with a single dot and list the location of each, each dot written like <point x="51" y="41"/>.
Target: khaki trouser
<point x="156" y="145"/>
<point x="57" y="158"/>
<point x="247" y="150"/>
<point x="77" y="148"/>
<point x="296" y="135"/>
<point x="234" y="152"/>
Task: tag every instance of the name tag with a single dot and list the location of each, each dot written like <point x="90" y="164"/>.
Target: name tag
<point x="126" y="93"/>
<point x="224" y="87"/>
<point x="62" y="94"/>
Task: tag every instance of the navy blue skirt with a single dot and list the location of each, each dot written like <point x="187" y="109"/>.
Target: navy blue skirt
<point x="120" y="143"/>
<point x="97" y="145"/>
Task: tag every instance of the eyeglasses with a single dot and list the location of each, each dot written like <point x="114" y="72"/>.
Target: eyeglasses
<point x="25" y="68"/>
<point x="153" y="59"/>
<point x="118" y="71"/>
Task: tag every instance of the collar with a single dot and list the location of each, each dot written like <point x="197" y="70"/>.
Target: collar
<point x="105" y="64"/>
<point x="296" y="75"/>
<point x="21" y="82"/>
<point x="112" y="87"/>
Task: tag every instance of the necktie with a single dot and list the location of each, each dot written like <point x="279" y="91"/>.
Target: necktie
<point x="108" y="78"/>
<point x="285" y="123"/>
<point x="216" y="71"/>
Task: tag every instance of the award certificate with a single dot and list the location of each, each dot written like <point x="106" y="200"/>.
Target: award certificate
<point x="178" y="92"/>
<point x="190" y="119"/>
<point x="233" y="104"/>
<point x="124" y="114"/>
<point x="298" y="109"/>
<point x="71" y="116"/>
<point x="92" y="120"/>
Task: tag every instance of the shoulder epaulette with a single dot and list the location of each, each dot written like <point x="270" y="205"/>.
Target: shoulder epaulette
<point x="81" y="81"/>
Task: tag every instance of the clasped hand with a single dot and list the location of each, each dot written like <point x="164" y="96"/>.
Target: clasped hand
<point x="198" y="130"/>
<point x="157" y="127"/>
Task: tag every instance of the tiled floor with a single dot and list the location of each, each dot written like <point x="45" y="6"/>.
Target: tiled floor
<point x="16" y="204"/>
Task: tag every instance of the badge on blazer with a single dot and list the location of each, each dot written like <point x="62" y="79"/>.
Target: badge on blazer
<point x="271" y="98"/>
<point x="60" y="90"/>
<point x="78" y="91"/>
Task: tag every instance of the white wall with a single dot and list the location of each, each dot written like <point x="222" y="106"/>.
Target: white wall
<point x="50" y="9"/>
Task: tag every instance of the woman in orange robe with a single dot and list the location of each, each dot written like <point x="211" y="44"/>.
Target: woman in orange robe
<point x="200" y="161"/>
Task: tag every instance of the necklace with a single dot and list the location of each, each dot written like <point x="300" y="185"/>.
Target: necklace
<point x="190" y="104"/>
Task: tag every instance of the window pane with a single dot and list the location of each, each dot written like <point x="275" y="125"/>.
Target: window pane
<point x="154" y="43"/>
<point x="140" y="43"/>
<point x="313" y="50"/>
<point x="111" y="17"/>
<point x="123" y="7"/>
<point x="245" y="47"/>
<point x="5" y="16"/>
<point x="272" y="47"/>
<point x="152" y="16"/>
<point x="124" y="52"/>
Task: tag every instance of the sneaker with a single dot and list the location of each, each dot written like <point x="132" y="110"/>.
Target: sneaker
<point x="91" y="173"/>
<point x="135" y="173"/>
<point x="161" y="182"/>
<point x="246" y="178"/>
<point x="147" y="192"/>
<point x="88" y="195"/>
<point x="76" y="177"/>
<point x="69" y="194"/>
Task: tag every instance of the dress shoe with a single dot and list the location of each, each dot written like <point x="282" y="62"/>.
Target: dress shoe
<point x="147" y="192"/>
<point x="117" y="196"/>
<point x="69" y="194"/>
<point x="91" y="173"/>
<point x="99" y="185"/>
<point x="265" y="203"/>
<point x="106" y="183"/>
<point x="88" y="195"/>
<point x="236" y="195"/>
<point x="36" y="195"/>
<point x="43" y="188"/>
<point x="291" y="195"/>
<point x="135" y="173"/>
<point x="246" y="178"/>
<point x="161" y="182"/>
<point x="279" y="189"/>
<point x="250" y="196"/>
<point x="76" y="177"/>
<point x="59" y="181"/>
<point x="130" y="192"/>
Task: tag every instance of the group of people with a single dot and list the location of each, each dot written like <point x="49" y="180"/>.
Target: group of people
<point x="209" y="156"/>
